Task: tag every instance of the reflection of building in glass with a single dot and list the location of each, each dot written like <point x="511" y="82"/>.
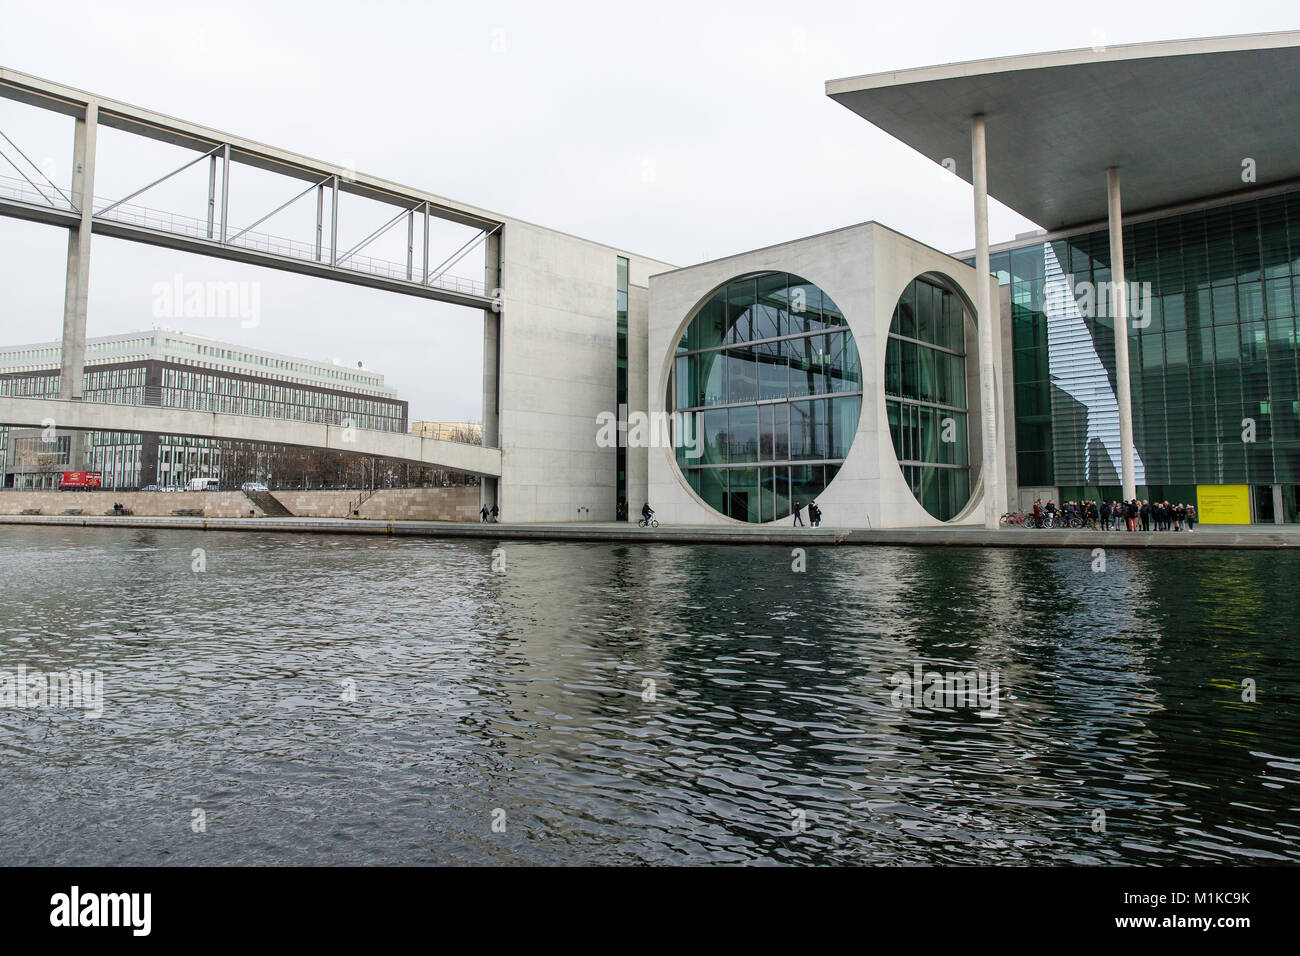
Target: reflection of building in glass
<point x="767" y="372"/>
<point x="178" y="370"/>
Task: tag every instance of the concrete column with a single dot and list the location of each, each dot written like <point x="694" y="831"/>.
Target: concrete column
<point x="76" y="290"/>
<point x="984" y="320"/>
<point x="492" y="343"/>
<point x="1119" y="312"/>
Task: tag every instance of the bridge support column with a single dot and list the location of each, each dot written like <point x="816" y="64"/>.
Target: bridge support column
<point x="76" y="293"/>
<point x="492" y="342"/>
<point x="492" y="318"/>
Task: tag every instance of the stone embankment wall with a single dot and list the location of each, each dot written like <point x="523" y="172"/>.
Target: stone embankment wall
<point x="214" y="504"/>
<point x="411" y="504"/>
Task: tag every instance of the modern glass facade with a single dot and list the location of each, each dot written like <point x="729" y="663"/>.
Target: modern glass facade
<point x="925" y="395"/>
<point x="1213" y="301"/>
<point x="768" y="380"/>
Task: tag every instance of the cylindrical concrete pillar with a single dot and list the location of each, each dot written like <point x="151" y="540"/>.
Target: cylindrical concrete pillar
<point x="1119" y="311"/>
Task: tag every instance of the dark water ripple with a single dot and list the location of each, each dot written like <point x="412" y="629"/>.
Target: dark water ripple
<point x="1120" y="692"/>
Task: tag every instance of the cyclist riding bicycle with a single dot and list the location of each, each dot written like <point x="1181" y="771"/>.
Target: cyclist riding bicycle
<point x="646" y="513"/>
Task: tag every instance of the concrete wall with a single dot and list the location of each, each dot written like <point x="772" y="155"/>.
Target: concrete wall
<point x="864" y="269"/>
<point x="638" y="378"/>
<point x="214" y="504"/>
<point x="460" y="503"/>
<point x="558" y="349"/>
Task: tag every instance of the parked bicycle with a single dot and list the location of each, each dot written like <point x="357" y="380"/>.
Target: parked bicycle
<point x="1056" y="520"/>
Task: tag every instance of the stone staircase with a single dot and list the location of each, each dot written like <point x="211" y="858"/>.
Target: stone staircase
<point x="269" y="503"/>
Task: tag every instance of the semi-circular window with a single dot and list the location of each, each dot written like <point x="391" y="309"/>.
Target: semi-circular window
<point x="769" y="387"/>
<point x="926" y="395"/>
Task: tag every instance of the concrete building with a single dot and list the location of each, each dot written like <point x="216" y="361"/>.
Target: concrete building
<point x="1155" y="335"/>
<point x="837" y="368"/>
<point x="170" y="369"/>
<point x="893" y="383"/>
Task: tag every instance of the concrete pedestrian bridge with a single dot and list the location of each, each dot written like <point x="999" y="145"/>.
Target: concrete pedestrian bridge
<point x="102" y="416"/>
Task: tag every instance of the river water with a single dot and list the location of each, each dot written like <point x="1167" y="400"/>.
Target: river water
<point x="357" y="700"/>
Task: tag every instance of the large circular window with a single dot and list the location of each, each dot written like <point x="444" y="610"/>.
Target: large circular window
<point x="925" y="395"/>
<point x="768" y="386"/>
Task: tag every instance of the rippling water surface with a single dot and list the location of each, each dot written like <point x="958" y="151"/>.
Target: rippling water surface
<point x="521" y="697"/>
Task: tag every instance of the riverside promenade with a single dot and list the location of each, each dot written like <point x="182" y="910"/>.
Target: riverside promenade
<point x="1230" y="537"/>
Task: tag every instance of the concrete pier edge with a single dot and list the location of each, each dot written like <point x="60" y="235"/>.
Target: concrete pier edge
<point x="1212" y="537"/>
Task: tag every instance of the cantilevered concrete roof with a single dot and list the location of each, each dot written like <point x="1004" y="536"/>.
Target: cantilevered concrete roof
<point x="1178" y="117"/>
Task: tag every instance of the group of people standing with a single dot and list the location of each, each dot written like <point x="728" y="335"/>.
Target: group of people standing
<point x="1112" y="515"/>
<point x="814" y="514"/>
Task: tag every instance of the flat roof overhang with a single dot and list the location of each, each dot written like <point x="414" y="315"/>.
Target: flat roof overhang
<point x="1178" y="118"/>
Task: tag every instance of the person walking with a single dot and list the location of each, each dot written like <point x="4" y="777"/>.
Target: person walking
<point x="495" y="514"/>
<point x="483" y="514"/>
<point x="798" y="518"/>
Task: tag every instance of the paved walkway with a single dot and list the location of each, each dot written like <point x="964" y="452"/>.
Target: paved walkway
<point x="1205" y="536"/>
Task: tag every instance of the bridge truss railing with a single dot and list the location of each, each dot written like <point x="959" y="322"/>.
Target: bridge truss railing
<point x="176" y="224"/>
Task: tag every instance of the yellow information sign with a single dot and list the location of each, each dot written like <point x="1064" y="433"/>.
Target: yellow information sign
<point x="1223" y="504"/>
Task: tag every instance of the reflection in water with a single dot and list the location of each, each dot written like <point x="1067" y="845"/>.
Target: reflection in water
<point x="528" y="691"/>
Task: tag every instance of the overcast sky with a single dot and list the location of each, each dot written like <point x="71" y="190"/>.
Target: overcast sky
<point x="683" y="131"/>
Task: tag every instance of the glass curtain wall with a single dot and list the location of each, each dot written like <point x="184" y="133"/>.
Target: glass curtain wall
<point x="767" y="376"/>
<point x="925" y="396"/>
<point x="1213" y="296"/>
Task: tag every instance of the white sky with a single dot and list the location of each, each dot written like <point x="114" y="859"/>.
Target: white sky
<point x="680" y="130"/>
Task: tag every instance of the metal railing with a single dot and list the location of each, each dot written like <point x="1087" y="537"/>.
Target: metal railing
<point x="176" y="224"/>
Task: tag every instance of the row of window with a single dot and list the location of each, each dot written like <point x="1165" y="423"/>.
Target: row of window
<point x="925" y="363"/>
<point x="760" y="307"/>
<point x="1216" y="343"/>
<point x="186" y="380"/>
<point x="109" y="378"/>
<point x="761" y="493"/>
<point x="816" y="430"/>
<point x="924" y="374"/>
<point x="930" y="313"/>
<point x="943" y="492"/>
<point x="925" y="435"/>
<point x="767" y="371"/>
